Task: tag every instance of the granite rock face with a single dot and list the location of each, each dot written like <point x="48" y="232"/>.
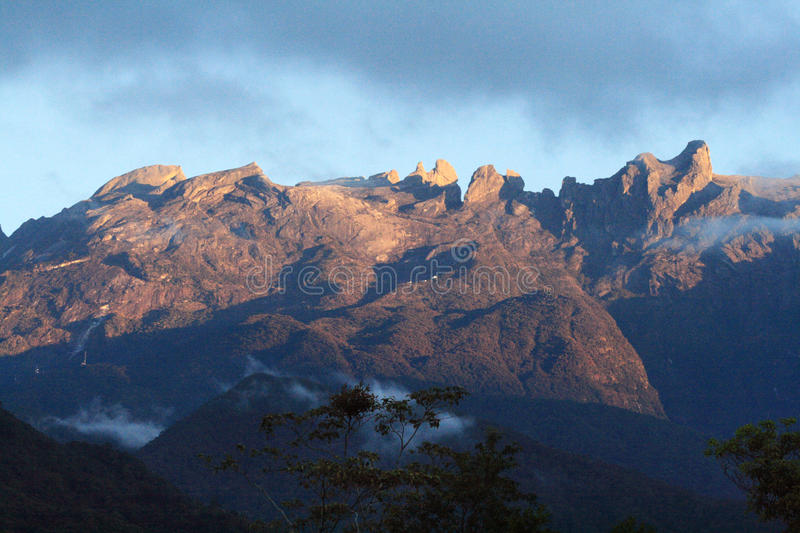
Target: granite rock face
<point x="700" y="270"/>
<point x="156" y="178"/>
<point x="487" y="186"/>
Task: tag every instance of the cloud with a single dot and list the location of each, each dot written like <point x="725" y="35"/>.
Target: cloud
<point x="777" y="167"/>
<point x="288" y="385"/>
<point x="112" y="422"/>
<point x="594" y="58"/>
<point x="254" y="366"/>
<point x="300" y="392"/>
<point x="450" y="424"/>
<point x="707" y="232"/>
<point x="315" y="91"/>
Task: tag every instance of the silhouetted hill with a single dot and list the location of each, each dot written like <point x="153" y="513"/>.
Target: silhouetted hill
<point x="46" y="486"/>
<point x="584" y="494"/>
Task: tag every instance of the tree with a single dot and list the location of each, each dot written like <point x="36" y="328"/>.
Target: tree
<point x="357" y="464"/>
<point x="764" y="461"/>
<point x="468" y="492"/>
<point x="631" y="525"/>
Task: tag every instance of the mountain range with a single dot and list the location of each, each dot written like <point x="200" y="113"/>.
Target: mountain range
<point x="665" y="292"/>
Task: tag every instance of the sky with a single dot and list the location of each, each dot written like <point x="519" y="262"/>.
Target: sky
<point x="91" y="90"/>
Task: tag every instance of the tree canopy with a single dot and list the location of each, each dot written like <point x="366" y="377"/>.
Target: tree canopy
<point x="764" y="461"/>
<point x="364" y="462"/>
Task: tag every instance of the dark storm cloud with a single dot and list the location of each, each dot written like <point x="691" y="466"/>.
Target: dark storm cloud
<point x="587" y="62"/>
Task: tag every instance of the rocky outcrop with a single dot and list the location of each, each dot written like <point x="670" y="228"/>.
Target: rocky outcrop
<point x="218" y="184"/>
<point x="699" y="270"/>
<point x="638" y="203"/>
<point x="391" y="177"/>
<point x="488" y="186"/>
<point x="442" y="180"/>
<point x="382" y="179"/>
<point x="152" y="179"/>
<point x="420" y="191"/>
<point x="442" y="175"/>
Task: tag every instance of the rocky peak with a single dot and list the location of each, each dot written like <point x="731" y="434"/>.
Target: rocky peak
<point x="217" y="183"/>
<point x="671" y="183"/>
<point x="487" y="186"/>
<point x="442" y="175"/>
<point x="391" y="177"/>
<point x="688" y="171"/>
<point x="150" y="179"/>
<point x="643" y="198"/>
<point x="696" y="156"/>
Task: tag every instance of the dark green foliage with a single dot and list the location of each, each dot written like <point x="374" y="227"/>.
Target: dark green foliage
<point x="357" y="465"/>
<point x="631" y="525"/>
<point x="764" y="461"/>
<point x="46" y="486"/>
<point x="583" y="494"/>
<point x="467" y="491"/>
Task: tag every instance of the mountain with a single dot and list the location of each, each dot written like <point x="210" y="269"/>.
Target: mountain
<point x="700" y="272"/>
<point x="658" y="448"/>
<point x="3" y="242"/>
<point x="666" y="290"/>
<point x="46" y="486"/>
<point x="408" y="282"/>
<point x="583" y="494"/>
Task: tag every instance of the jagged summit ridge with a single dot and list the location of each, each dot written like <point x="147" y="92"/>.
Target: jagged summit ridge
<point x="217" y="183"/>
<point x="442" y="175"/>
<point x="642" y="200"/>
<point x="195" y="250"/>
<point x="487" y="185"/>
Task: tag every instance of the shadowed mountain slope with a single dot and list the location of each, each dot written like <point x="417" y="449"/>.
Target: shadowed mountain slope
<point x="583" y="494"/>
<point x="46" y="486"/>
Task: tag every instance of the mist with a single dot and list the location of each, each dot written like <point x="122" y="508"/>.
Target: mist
<point x="109" y="422"/>
<point x="708" y="232"/>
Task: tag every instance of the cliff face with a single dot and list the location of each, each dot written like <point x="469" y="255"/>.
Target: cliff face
<point x="378" y="276"/>
<point x="700" y="271"/>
